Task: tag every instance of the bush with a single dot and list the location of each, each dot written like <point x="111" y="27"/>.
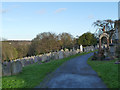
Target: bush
<point x="8" y="51"/>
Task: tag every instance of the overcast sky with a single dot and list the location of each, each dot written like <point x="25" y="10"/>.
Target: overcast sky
<point x="24" y="20"/>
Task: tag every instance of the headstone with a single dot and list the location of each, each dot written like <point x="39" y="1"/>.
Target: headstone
<point x="28" y="62"/>
<point x="65" y="54"/>
<point x="23" y="62"/>
<point x="62" y="50"/>
<point x="66" y="50"/>
<point x="48" y="58"/>
<point x="90" y="48"/>
<point x="74" y="52"/>
<point x="96" y="47"/>
<point x="87" y="49"/>
<point x="52" y="56"/>
<point x="112" y="49"/>
<point x="6" y="68"/>
<point x="78" y="50"/>
<point x="81" y="48"/>
<point x="39" y="58"/>
<point x="16" y="67"/>
<point x="35" y="59"/>
<point x="73" y="48"/>
<point x="44" y="57"/>
<point x="31" y="60"/>
<point x="71" y="52"/>
<point x="60" y="54"/>
<point x="56" y="55"/>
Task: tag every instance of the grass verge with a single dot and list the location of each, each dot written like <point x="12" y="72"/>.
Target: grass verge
<point x="32" y="75"/>
<point x="108" y="71"/>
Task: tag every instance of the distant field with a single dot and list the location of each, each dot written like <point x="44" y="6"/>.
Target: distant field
<point x="107" y="71"/>
<point x="32" y="75"/>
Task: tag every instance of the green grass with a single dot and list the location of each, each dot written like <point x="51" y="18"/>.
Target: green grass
<point x="32" y="75"/>
<point x="107" y="71"/>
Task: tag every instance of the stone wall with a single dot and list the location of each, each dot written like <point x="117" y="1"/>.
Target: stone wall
<point x="14" y="67"/>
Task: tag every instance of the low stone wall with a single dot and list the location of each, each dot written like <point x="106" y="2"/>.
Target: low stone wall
<point x="14" y="67"/>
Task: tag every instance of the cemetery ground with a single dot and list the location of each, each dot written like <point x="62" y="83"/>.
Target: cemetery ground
<point x="108" y="71"/>
<point x="32" y="75"/>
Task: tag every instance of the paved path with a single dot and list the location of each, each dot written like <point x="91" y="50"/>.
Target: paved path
<point x="75" y="73"/>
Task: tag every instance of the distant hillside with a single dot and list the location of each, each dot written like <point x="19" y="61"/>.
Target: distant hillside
<point x="18" y="42"/>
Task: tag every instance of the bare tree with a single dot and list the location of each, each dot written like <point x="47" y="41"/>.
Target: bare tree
<point x="66" y="40"/>
<point x="44" y="42"/>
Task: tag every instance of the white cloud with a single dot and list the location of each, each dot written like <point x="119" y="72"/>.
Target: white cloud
<point x="9" y="9"/>
<point x="15" y="6"/>
<point x="60" y="10"/>
<point x="42" y="11"/>
<point x="91" y="17"/>
<point x="10" y="19"/>
<point x="4" y="10"/>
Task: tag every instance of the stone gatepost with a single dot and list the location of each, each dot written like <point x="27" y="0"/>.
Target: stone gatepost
<point x="101" y="36"/>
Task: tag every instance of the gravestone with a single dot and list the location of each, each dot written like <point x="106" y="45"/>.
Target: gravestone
<point x="23" y="62"/>
<point x="52" y="56"/>
<point x="71" y="52"/>
<point x="92" y="48"/>
<point x="112" y="49"/>
<point x="96" y="47"/>
<point x="16" y="67"/>
<point x="35" y="59"/>
<point x="81" y="48"/>
<point x="78" y="51"/>
<point x="67" y="50"/>
<point x="6" y="68"/>
<point x="31" y="60"/>
<point x="28" y="62"/>
<point x="87" y="49"/>
<point x="48" y="58"/>
<point x="74" y="52"/>
<point x="39" y="58"/>
<point x="44" y="57"/>
<point x="65" y="53"/>
<point x="60" y="54"/>
<point x="56" y="55"/>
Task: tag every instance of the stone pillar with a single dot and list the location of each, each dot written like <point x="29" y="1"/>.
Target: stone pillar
<point x="99" y="44"/>
<point x="108" y="43"/>
<point x="111" y="41"/>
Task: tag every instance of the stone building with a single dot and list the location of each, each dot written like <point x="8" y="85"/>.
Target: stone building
<point x="116" y="36"/>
